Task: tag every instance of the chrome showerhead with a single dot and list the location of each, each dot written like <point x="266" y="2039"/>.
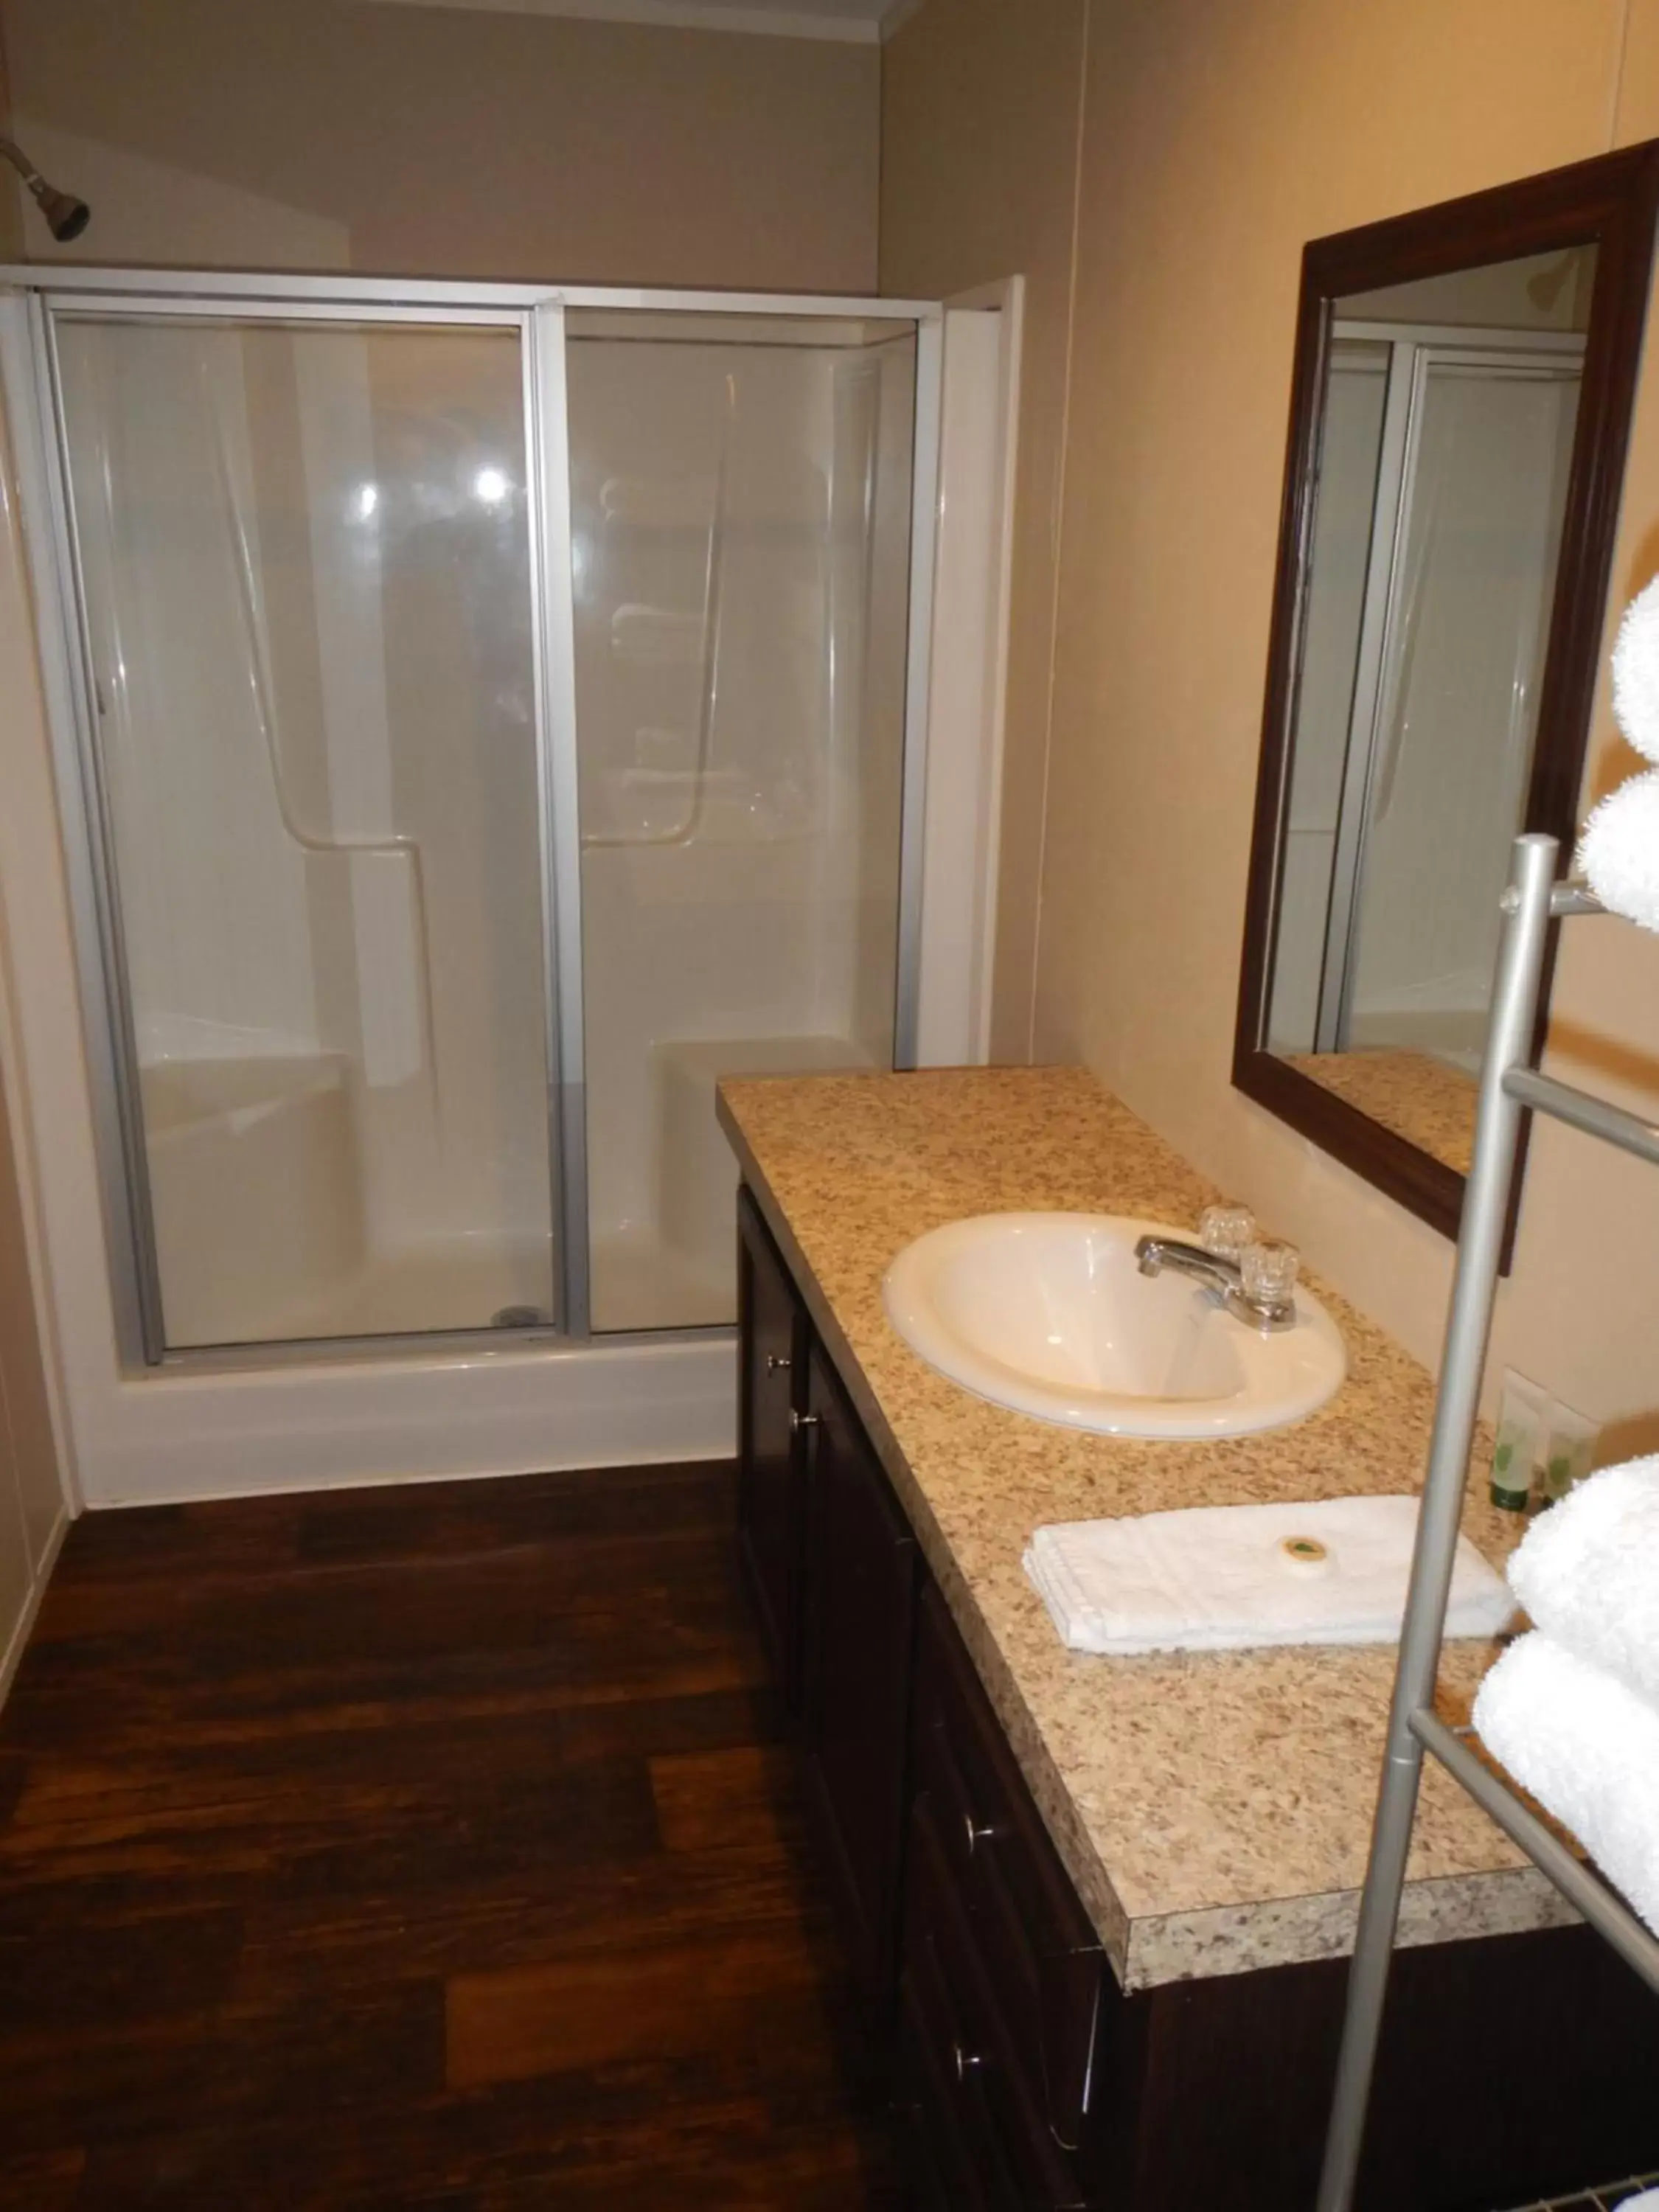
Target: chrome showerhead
<point x="66" y="216"/>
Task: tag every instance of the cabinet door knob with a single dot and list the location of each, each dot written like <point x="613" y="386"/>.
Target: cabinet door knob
<point x="776" y="1364"/>
<point x="976" y="1834"/>
<point x="965" y="2062"/>
<point x="799" y="1420"/>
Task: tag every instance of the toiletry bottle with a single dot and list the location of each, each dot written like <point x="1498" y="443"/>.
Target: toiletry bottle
<point x="1570" y="1453"/>
<point x="1520" y="1421"/>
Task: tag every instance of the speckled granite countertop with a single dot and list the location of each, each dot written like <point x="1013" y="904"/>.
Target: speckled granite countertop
<point x="1213" y="1809"/>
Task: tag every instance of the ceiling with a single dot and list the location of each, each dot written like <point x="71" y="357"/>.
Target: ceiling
<point x="858" y="21"/>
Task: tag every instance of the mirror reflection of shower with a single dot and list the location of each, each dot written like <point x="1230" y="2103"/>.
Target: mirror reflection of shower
<point x="1446" y="449"/>
<point x="66" y="216"/>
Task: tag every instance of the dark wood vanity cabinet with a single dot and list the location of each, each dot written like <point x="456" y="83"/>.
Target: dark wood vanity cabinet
<point x="772" y="1350"/>
<point x="832" y="1567"/>
<point x="979" y="1967"/>
<point x="1005" y="1996"/>
<point x="1023" y="2079"/>
<point x="861" y="1571"/>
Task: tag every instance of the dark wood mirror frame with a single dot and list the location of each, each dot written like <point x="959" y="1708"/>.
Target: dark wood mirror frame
<point x="1609" y="202"/>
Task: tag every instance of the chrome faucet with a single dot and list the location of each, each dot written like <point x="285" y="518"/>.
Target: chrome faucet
<point x="1251" y="1279"/>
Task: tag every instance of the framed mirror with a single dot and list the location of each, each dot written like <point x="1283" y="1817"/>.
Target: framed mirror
<point x="1459" y="408"/>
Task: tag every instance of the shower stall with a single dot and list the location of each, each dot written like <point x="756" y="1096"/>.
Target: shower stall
<point x="485" y="717"/>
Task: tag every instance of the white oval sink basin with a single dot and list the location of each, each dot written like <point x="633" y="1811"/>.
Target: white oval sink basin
<point x="1049" y="1313"/>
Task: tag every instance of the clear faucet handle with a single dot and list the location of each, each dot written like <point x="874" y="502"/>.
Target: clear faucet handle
<point x="1225" y="1231"/>
<point x="1268" y="1272"/>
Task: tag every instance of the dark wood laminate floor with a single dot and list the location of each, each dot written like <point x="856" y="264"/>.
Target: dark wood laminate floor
<point x="426" y="1847"/>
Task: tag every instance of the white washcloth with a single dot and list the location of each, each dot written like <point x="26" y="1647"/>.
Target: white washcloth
<point x="1636" y="672"/>
<point x="1588" y="1573"/>
<point x="1618" y="851"/>
<point x="1588" y="1749"/>
<point x="1219" y="1578"/>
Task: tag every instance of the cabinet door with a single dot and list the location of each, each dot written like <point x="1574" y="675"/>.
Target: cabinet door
<point x="772" y="1393"/>
<point x="862" y="1575"/>
<point x="1032" y="1941"/>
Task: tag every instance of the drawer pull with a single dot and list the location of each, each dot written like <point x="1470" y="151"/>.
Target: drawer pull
<point x="965" y="2062"/>
<point x="976" y="1834"/>
<point x="799" y="1420"/>
<point x="776" y="1364"/>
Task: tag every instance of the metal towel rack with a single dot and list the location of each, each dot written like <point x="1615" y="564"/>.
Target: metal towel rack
<point x="1510" y="1085"/>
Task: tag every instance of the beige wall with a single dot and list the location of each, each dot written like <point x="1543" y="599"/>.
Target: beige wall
<point x="1216" y="139"/>
<point x="32" y="1506"/>
<point x="329" y="135"/>
<point x="31" y="1484"/>
<point x="11" y="211"/>
<point x="30" y="1493"/>
<point x="980" y="112"/>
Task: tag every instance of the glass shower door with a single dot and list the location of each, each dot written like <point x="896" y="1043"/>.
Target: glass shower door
<point x="306" y="568"/>
<point x="741" y="510"/>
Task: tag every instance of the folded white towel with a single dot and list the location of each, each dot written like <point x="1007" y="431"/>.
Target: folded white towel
<point x="1588" y="1573"/>
<point x="1636" y="672"/>
<point x="1588" y="1749"/>
<point x="1223" y="1578"/>
<point x="1618" y="851"/>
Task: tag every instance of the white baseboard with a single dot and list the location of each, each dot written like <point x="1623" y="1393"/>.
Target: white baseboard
<point x="12" y="1658"/>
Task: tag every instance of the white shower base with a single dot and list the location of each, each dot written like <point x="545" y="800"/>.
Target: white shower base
<point x="642" y="1282"/>
<point x="260" y="1233"/>
<point x="422" y="1288"/>
<point x="444" y="1287"/>
<point x="670" y="1260"/>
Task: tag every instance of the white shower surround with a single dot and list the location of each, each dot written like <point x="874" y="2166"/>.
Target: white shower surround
<point x="420" y="1411"/>
<point x="740" y="771"/>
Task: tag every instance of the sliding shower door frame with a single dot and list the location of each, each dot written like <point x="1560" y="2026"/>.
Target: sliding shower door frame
<point x="32" y="300"/>
<point x="28" y="366"/>
<point x="547" y="418"/>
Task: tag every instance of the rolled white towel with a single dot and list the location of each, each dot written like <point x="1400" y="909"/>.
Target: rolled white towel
<point x="1588" y="1573"/>
<point x="1618" y="851"/>
<point x="1226" y="1577"/>
<point x="1636" y="672"/>
<point x="1588" y="1749"/>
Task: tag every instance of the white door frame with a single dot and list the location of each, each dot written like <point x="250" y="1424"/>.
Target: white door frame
<point x="979" y="445"/>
